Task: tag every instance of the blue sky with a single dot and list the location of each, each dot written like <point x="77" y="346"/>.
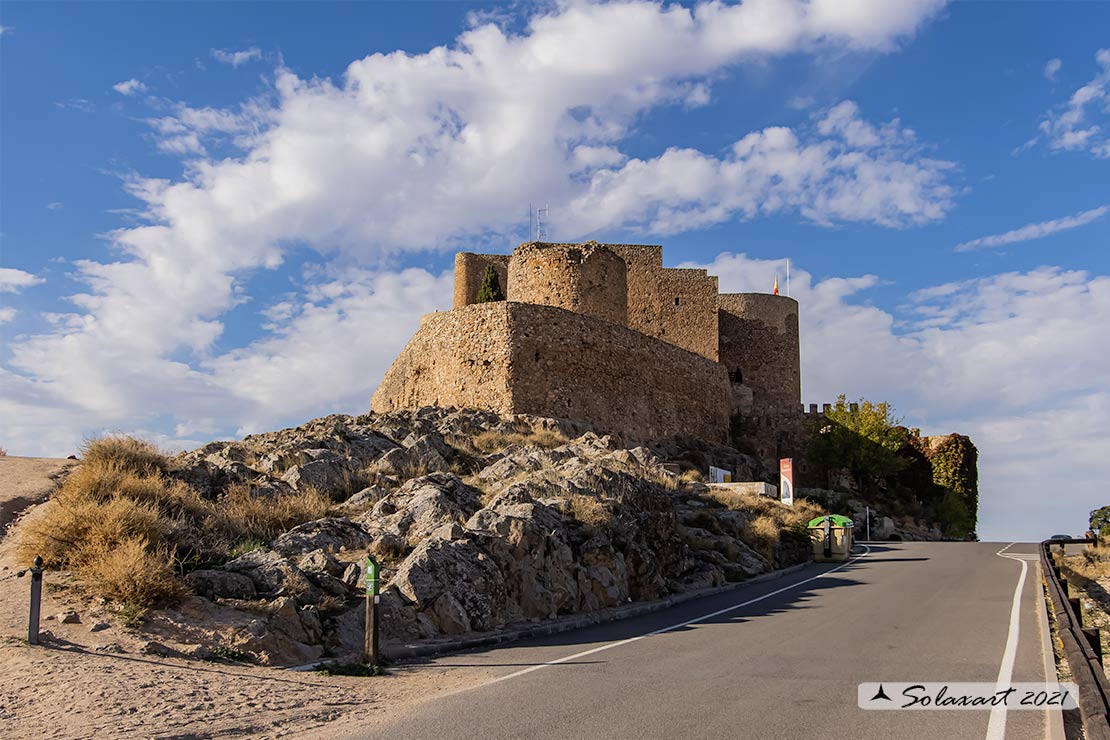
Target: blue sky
<point x="223" y="218"/>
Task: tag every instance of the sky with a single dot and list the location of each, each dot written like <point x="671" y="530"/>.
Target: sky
<point x="225" y="218"/>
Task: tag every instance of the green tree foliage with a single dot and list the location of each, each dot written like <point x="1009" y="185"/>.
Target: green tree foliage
<point x="955" y="469"/>
<point x="864" y="441"/>
<point x="1100" y="523"/>
<point x="491" y="287"/>
<point x="953" y="511"/>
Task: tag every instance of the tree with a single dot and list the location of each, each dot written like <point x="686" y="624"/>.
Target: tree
<point x="491" y="287"/>
<point x="862" y="438"/>
<point x="1100" y="523"/>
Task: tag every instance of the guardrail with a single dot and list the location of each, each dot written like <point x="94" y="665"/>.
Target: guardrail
<point x="1084" y="658"/>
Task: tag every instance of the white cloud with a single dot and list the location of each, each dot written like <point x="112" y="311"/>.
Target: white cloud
<point x="6" y="315"/>
<point x="1052" y="68"/>
<point x="13" y="280"/>
<point x="416" y="152"/>
<point x="237" y="58"/>
<point x="129" y="87"/>
<point x="56" y="205"/>
<point x="81" y="104"/>
<point x="7" y="30"/>
<point x="1018" y="361"/>
<point x="1035" y="231"/>
<point x="801" y="102"/>
<point x="1081" y="124"/>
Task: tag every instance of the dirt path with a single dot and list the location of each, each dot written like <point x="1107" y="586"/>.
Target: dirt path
<point x="25" y="481"/>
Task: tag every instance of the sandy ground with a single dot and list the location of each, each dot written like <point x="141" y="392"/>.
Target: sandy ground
<point x="25" y="481"/>
<point x="98" y="678"/>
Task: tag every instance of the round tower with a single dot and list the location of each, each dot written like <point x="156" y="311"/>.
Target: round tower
<point x="585" y="278"/>
<point x="759" y="346"/>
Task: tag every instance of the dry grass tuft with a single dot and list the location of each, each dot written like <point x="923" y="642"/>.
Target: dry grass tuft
<point x="243" y="515"/>
<point x="589" y="510"/>
<point x="119" y="523"/>
<point x="495" y="441"/>
<point x="3" y="452"/>
<point x="770" y="520"/>
<point x="693" y="475"/>
<point x="130" y="453"/>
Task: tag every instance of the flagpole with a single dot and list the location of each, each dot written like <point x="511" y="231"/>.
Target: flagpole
<point x="787" y="276"/>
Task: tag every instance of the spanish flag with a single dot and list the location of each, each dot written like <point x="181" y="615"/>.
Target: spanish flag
<point x="776" y="290"/>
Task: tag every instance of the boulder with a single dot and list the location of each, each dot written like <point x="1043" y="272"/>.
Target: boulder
<point x="273" y="575"/>
<point x="220" y="584"/>
<point x="330" y="534"/>
<point x="457" y="568"/>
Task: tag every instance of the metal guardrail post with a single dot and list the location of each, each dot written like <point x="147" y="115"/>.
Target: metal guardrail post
<point x="36" y="600"/>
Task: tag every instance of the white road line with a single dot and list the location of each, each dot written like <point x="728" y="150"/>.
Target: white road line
<point x="996" y="728"/>
<point x="673" y="627"/>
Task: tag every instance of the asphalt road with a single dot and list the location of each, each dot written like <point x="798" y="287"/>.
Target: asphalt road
<point x="785" y="665"/>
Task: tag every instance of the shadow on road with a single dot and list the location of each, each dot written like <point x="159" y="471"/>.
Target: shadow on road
<point x="732" y="607"/>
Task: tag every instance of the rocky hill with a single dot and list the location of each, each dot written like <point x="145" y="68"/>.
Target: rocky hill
<point x="480" y="522"/>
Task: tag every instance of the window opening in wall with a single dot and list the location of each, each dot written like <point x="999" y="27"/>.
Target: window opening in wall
<point x="735" y="376"/>
<point x="677" y="301"/>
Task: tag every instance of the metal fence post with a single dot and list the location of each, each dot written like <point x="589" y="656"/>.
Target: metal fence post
<point x="36" y="600"/>
<point x="371" y="637"/>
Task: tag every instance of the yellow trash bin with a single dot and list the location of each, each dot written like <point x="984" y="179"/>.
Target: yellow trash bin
<point x="832" y="538"/>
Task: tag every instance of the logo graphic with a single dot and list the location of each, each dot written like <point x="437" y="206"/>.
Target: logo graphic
<point x="983" y="695"/>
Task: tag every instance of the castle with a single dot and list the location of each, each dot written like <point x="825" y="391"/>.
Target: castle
<point x="605" y="334"/>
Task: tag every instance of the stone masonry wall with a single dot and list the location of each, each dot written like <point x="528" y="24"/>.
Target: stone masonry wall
<point x="759" y="337"/>
<point x="471" y="268"/>
<point x="644" y="263"/>
<point x="524" y="358"/>
<point x="569" y="366"/>
<point x="691" y="321"/>
<point x="456" y="358"/>
<point x="688" y="310"/>
<point x="585" y="278"/>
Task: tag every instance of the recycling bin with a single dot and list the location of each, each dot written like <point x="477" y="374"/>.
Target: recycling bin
<point x="832" y="538"/>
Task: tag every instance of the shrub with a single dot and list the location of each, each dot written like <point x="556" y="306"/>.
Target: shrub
<point x="133" y="572"/>
<point x="70" y="534"/>
<point x="130" y="453"/>
<point x="3" y="452"/>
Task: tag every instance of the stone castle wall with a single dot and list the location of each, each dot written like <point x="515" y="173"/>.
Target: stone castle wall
<point x="688" y="311"/>
<point x="585" y="278"/>
<point x="470" y="268"/>
<point x="537" y="359"/>
<point x="759" y="339"/>
<point x="456" y="358"/>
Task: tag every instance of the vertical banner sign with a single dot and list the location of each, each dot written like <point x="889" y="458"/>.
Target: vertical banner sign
<point x="786" y="481"/>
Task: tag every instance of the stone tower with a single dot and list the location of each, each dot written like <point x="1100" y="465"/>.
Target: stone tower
<point x="588" y="279"/>
<point x="759" y="346"/>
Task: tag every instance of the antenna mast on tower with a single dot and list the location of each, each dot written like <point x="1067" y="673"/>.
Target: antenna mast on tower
<point x="537" y="228"/>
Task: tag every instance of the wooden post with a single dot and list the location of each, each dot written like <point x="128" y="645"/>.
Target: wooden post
<point x="1095" y="640"/>
<point x="370" y="647"/>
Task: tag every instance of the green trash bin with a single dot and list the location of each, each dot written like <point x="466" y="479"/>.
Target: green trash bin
<point x="832" y="538"/>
